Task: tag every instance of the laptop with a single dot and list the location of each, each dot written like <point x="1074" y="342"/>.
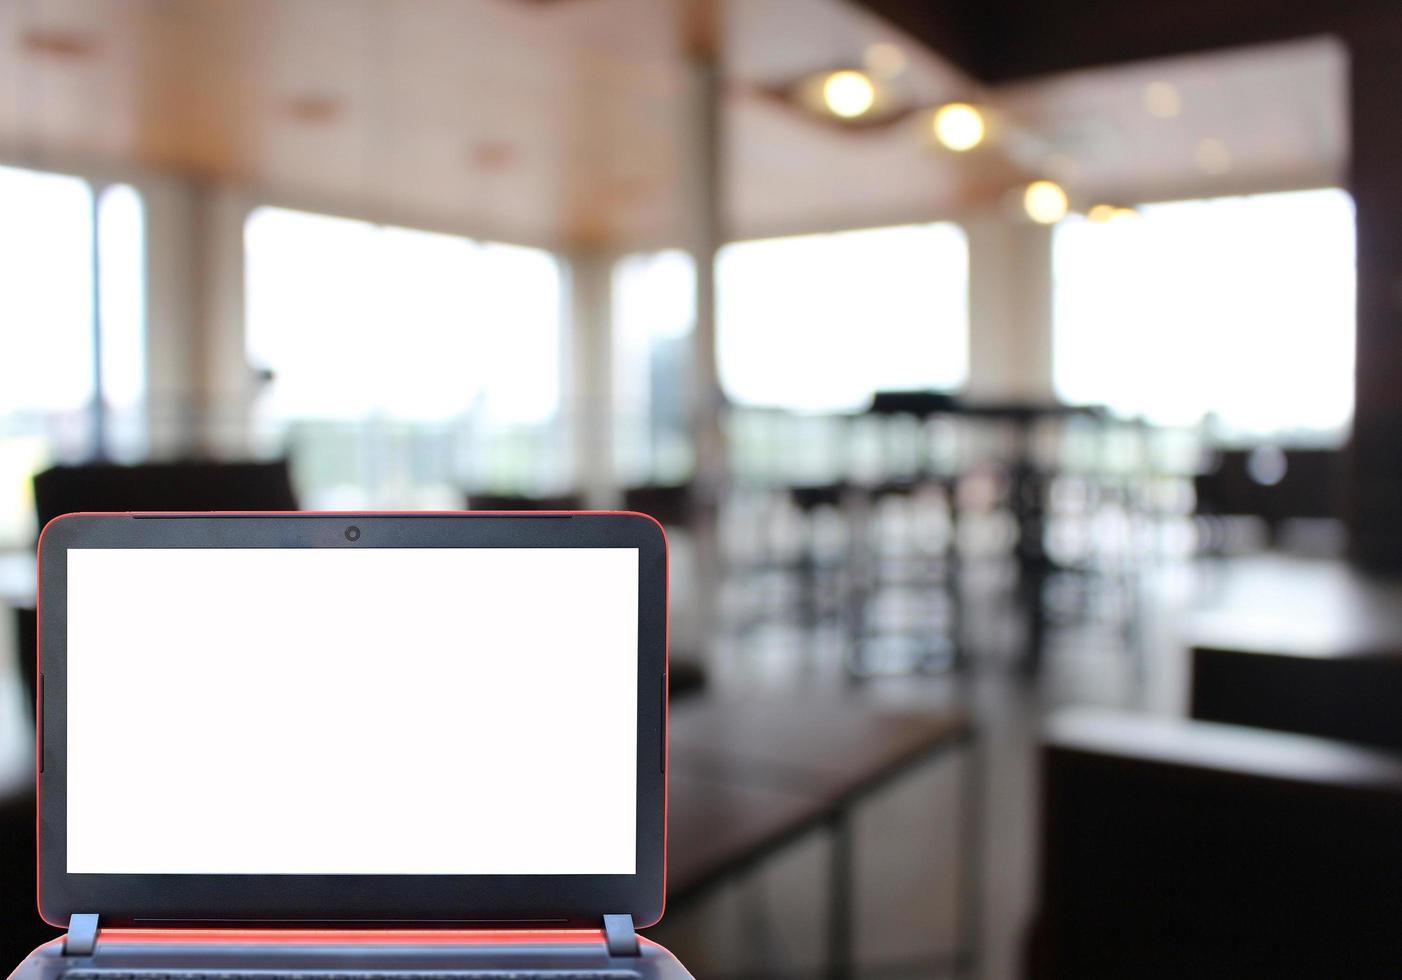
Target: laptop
<point x="424" y="746"/>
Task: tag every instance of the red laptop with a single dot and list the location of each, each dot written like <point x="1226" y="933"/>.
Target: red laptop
<point x="352" y="746"/>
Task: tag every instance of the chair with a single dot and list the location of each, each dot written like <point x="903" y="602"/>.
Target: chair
<point x="499" y="501"/>
<point x="820" y="570"/>
<point x="670" y="503"/>
<point x="23" y="929"/>
<point x="26" y="624"/>
<point x="163" y="486"/>
<point x="1310" y="486"/>
<point x="685" y="678"/>
<point x="919" y="403"/>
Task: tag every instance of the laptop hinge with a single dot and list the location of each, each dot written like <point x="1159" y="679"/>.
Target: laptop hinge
<point x="619" y="936"/>
<point x="82" y="934"/>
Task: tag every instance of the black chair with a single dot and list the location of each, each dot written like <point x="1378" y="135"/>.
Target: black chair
<point x="163" y="486"/>
<point x="919" y="403"/>
<point x="500" y="501"/>
<point x="672" y="504"/>
<point x="1175" y="848"/>
<point x="685" y="678"/>
<point x="808" y="497"/>
<point x="1311" y="486"/>
<point x="26" y="625"/>
<point x="823" y="588"/>
<point x="21" y="929"/>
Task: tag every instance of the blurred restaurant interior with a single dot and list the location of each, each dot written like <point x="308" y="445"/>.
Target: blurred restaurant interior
<point x="1019" y="386"/>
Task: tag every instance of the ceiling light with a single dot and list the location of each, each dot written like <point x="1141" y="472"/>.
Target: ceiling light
<point x="1045" y="202"/>
<point x="1102" y="213"/>
<point x="492" y="155"/>
<point x="1212" y="156"/>
<point x="1162" y="100"/>
<point x="1126" y="214"/>
<point x="848" y="93"/>
<point x="885" y="60"/>
<point x="314" y="110"/>
<point x="60" y="44"/>
<point x="959" y="126"/>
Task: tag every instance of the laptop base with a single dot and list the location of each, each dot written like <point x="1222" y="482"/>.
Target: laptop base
<point x="200" y="954"/>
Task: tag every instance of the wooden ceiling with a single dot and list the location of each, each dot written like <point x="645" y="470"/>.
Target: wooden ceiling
<point x="561" y="123"/>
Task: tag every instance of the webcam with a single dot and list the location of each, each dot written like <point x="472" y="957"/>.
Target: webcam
<point x="352" y="533"/>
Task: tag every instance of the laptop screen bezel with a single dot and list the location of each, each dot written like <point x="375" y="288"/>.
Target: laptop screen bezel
<point x="449" y="900"/>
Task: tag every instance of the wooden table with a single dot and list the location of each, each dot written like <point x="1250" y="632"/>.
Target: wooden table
<point x="747" y="777"/>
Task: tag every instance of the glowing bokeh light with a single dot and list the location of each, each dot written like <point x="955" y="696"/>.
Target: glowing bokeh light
<point x="1212" y="157"/>
<point x="959" y="126"/>
<point x="1162" y="100"/>
<point x="848" y="93"/>
<point x="1045" y="202"/>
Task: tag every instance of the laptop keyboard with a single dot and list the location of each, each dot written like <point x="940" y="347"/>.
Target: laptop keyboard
<point x="356" y="975"/>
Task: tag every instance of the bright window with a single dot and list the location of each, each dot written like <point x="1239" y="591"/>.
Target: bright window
<point x="1239" y="309"/>
<point x="46" y="293"/>
<point x="817" y="323"/>
<point x="357" y="320"/>
<point x="121" y="239"/>
<point x="50" y="315"/>
<point x="403" y="365"/>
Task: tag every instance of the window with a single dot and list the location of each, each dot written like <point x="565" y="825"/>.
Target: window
<point x="50" y="315"/>
<point x="818" y="323"/>
<point x="121" y="246"/>
<point x="46" y="299"/>
<point x="403" y="364"/>
<point x="1239" y="310"/>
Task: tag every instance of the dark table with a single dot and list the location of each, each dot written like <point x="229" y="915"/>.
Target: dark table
<point x="1173" y="848"/>
<point x="747" y="777"/>
<point x="1345" y="690"/>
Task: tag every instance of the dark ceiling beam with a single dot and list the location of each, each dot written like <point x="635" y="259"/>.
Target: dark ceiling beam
<point x="953" y="29"/>
<point x="1006" y="40"/>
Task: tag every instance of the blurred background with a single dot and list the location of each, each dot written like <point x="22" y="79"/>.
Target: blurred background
<point x="1018" y="386"/>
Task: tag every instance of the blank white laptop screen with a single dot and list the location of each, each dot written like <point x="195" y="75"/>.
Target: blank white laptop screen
<point x="352" y="711"/>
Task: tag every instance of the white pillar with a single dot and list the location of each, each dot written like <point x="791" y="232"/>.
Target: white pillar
<point x="199" y="386"/>
<point x="224" y="385"/>
<point x="589" y="349"/>
<point x="702" y="187"/>
<point x="1010" y="309"/>
<point x="171" y="369"/>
